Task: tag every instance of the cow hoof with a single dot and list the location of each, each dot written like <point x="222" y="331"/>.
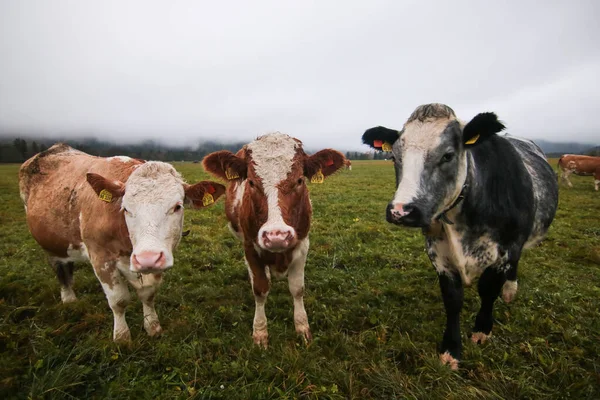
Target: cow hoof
<point x="261" y="339"/>
<point x="123" y="337"/>
<point x="509" y="291"/>
<point x="305" y="333"/>
<point x="447" y="359"/>
<point x="67" y="296"/>
<point x="480" y="337"/>
<point x="153" y="329"/>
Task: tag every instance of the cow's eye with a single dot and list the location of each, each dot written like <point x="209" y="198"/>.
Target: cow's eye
<point x="177" y="207"/>
<point x="447" y="157"/>
<point x="300" y="181"/>
<point x="251" y="182"/>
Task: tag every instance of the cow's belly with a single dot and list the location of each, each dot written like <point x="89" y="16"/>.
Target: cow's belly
<point x="452" y="254"/>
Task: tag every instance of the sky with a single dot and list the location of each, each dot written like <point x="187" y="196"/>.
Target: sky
<point x="183" y="72"/>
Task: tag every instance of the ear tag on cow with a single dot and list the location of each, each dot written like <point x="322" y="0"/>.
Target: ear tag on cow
<point x="472" y="140"/>
<point x="105" y="195"/>
<point x="386" y="146"/>
<point x="317" y="178"/>
<point x="231" y="174"/>
<point x="207" y="199"/>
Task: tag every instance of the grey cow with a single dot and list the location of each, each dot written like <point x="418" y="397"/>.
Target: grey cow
<point x="480" y="199"/>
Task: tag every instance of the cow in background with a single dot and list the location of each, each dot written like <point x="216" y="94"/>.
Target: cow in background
<point x="348" y="165"/>
<point x="579" y="165"/>
<point x="478" y="197"/>
<point x="269" y="210"/>
<point x="123" y="215"/>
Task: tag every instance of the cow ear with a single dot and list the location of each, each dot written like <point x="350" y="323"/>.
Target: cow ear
<point x="106" y="190"/>
<point x="203" y="194"/>
<point x="325" y="161"/>
<point x="480" y="128"/>
<point x="225" y="165"/>
<point x="380" y="138"/>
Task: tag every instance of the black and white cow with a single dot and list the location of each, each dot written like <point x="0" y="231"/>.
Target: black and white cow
<point x="480" y="198"/>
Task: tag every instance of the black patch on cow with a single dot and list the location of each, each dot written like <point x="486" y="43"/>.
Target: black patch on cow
<point x="486" y="125"/>
<point x="64" y="273"/>
<point x="489" y="287"/>
<point x="452" y="294"/>
<point x="379" y="133"/>
<point x="500" y="199"/>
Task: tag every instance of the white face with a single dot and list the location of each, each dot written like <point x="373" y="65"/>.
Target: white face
<point x="273" y="156"/>
<point x="153" y="207"/>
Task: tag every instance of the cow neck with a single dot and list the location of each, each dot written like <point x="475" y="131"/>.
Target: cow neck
<point x="461" y="196"/>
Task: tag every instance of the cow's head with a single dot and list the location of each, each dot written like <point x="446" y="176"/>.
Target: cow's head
<point x="152" y="200"/>
<point x="275" y="208"/>
<point x="430" y="160"/>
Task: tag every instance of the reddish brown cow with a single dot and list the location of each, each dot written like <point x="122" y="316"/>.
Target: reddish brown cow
<point x="269" y="209"/>
<point x="579" y="165"/>
<point x="122" y="214"/>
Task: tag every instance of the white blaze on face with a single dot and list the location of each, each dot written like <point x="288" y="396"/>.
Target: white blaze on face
<point x="151" y="194"/>
<point x="272" y="155"/>
<point x="417" y="139"/>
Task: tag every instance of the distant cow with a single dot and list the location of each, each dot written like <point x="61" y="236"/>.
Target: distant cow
<point x="579" y="165"/>
<point x="269" y="209"/>
<point x="348" y="165"/>
<point x="479" y="198"/>
<point x="124" y="215"/>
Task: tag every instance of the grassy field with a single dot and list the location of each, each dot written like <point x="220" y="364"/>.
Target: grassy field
<point x="372" y="299"/>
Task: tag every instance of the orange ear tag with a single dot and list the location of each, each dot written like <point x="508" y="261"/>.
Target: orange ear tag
<point x="377" y="143"/>
<point x="317" y="178"/>
<point x="207" y="199"/>
<point x="231" y="174"/>
<point x="472" y="140"/>
<point x="386" y="146"/>
<point x="105" y="195"/>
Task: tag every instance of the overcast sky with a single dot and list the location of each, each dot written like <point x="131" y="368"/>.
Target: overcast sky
<point x="323" y="71"/>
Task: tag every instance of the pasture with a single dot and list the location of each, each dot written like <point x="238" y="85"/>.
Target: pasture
<point x="372" y="299"/>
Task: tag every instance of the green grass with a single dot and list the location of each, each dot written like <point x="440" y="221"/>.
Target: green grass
<point x="372" y="299"/>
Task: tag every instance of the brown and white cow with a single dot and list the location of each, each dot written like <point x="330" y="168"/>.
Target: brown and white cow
<point x="348" y="165"/>
<point x="579" y="165"/>
<point x="269" y="209"/>
<point x="123" y="215"/>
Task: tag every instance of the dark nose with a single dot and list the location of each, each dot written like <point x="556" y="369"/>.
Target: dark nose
<point x="405" y="214"/>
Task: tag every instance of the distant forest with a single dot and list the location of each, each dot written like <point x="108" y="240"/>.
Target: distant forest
<point x="17" y="150"/>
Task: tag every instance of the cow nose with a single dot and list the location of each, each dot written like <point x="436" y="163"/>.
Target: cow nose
<point x="408" y="214"/>
<point x="278" y="239"/>
<point x="148" y="260"/>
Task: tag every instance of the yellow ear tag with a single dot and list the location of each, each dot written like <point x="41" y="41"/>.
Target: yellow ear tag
<point x="317" y="178"/>
<point x="105" y="195"/>
<point x="386" y="146"/>
<point x="231" y="174"/>
<point x="472" y="140"/>
<point x="207" y="199"/>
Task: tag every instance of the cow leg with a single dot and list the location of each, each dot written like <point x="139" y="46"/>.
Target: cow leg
<point x="452" y="294"/>
<point x="509" y="289"/>
<point x="64" y="273"/>
<point x="146" y="287"/>
<point x="596" y="183"/>
<point x="490" y="284"/>
<point x="261" y="283"/>
<point x="117" y="294"/>
<point x="565" y="176"/>
<point x="296" y="285"/>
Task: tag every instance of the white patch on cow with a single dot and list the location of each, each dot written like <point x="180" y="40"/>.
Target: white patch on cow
<point x="120" y="158"/>
<point x="118" y="297"/>
<point x="447" y="359"/>
<point x="79" y="254"/>
<point x="413" y="163"/>
<point x="480" y="337"/>
<point x="67" y="295"/>
<point x="151" y="193"/>
<point x="272" y="156"/>
<point x="238" y="189"/>
<point x="596" y="184"/>
<point x="509" y="291"/>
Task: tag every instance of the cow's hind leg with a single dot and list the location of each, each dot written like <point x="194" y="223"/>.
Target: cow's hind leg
<point x="296" y="285"/>
<point x="64" y="273"/>
<point x="117" y="294"/>
<point x="452" y="294"/>
<point x="509" y="289"/>
<point x="490" y="284"/>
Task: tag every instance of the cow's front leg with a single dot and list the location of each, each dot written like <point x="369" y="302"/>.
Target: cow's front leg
<point x="489" y="287"/>
<point x="452" y="294"/>
<point x="296" y="284"/>
<point x="117" y="294"/>
<point x="146" y="287"/>
<point x="261" y="284"/>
